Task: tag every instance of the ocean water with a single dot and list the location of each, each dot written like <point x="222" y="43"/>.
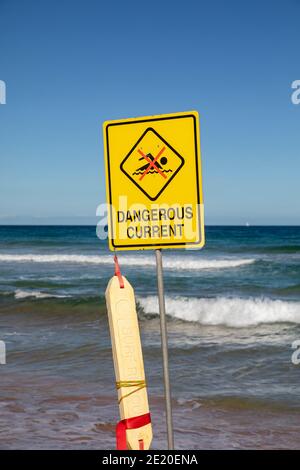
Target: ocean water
<point x="233" y="314"/>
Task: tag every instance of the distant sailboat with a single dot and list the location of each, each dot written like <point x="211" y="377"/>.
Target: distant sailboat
<point x="247" y="224"/>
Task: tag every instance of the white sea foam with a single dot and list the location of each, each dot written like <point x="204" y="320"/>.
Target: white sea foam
<point x="177" y="262"/>
<point x="233" y="312"/>
<point x="23" y="294"/>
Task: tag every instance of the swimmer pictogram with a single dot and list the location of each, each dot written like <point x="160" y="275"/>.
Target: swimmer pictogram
<point x="153" y="166"/>
<point x="152" y="163"/>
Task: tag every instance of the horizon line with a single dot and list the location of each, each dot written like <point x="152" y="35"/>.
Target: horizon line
<point x="95" y="225"/>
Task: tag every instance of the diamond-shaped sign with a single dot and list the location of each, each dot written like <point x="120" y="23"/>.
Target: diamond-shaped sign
<point x="152" y="163"/>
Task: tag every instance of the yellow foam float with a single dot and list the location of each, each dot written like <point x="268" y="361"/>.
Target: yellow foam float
<point x="134" y="431"/>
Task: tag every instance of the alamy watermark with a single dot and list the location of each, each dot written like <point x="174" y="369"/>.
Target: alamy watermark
<point x="295" y="97"/>
<point x="152" y="222"/>
<point x="296" y="354"/>
<point x="2" y="353"/>
<point x="2" y="92"/>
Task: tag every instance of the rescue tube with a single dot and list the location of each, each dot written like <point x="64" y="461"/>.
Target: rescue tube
<point x="134" y="431"/>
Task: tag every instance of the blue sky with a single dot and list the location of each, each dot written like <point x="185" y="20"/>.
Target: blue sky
<point x="70" y="65"/>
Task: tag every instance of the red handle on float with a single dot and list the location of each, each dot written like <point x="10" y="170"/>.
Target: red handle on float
<point x="130" y="423"/>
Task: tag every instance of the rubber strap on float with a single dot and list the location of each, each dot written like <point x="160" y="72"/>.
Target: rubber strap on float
<point x="118" y="272"/>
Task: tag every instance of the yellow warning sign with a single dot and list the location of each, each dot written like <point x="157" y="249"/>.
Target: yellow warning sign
<point x="153" y="182"/>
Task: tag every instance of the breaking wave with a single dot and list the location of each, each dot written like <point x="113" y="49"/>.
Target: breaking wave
<point x="22" y="294"/>
<point x="169" y="262"/>
<point x="233" y="312"/>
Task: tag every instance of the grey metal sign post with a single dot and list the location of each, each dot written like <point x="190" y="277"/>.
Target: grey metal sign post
<point x="164" y="345"/>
